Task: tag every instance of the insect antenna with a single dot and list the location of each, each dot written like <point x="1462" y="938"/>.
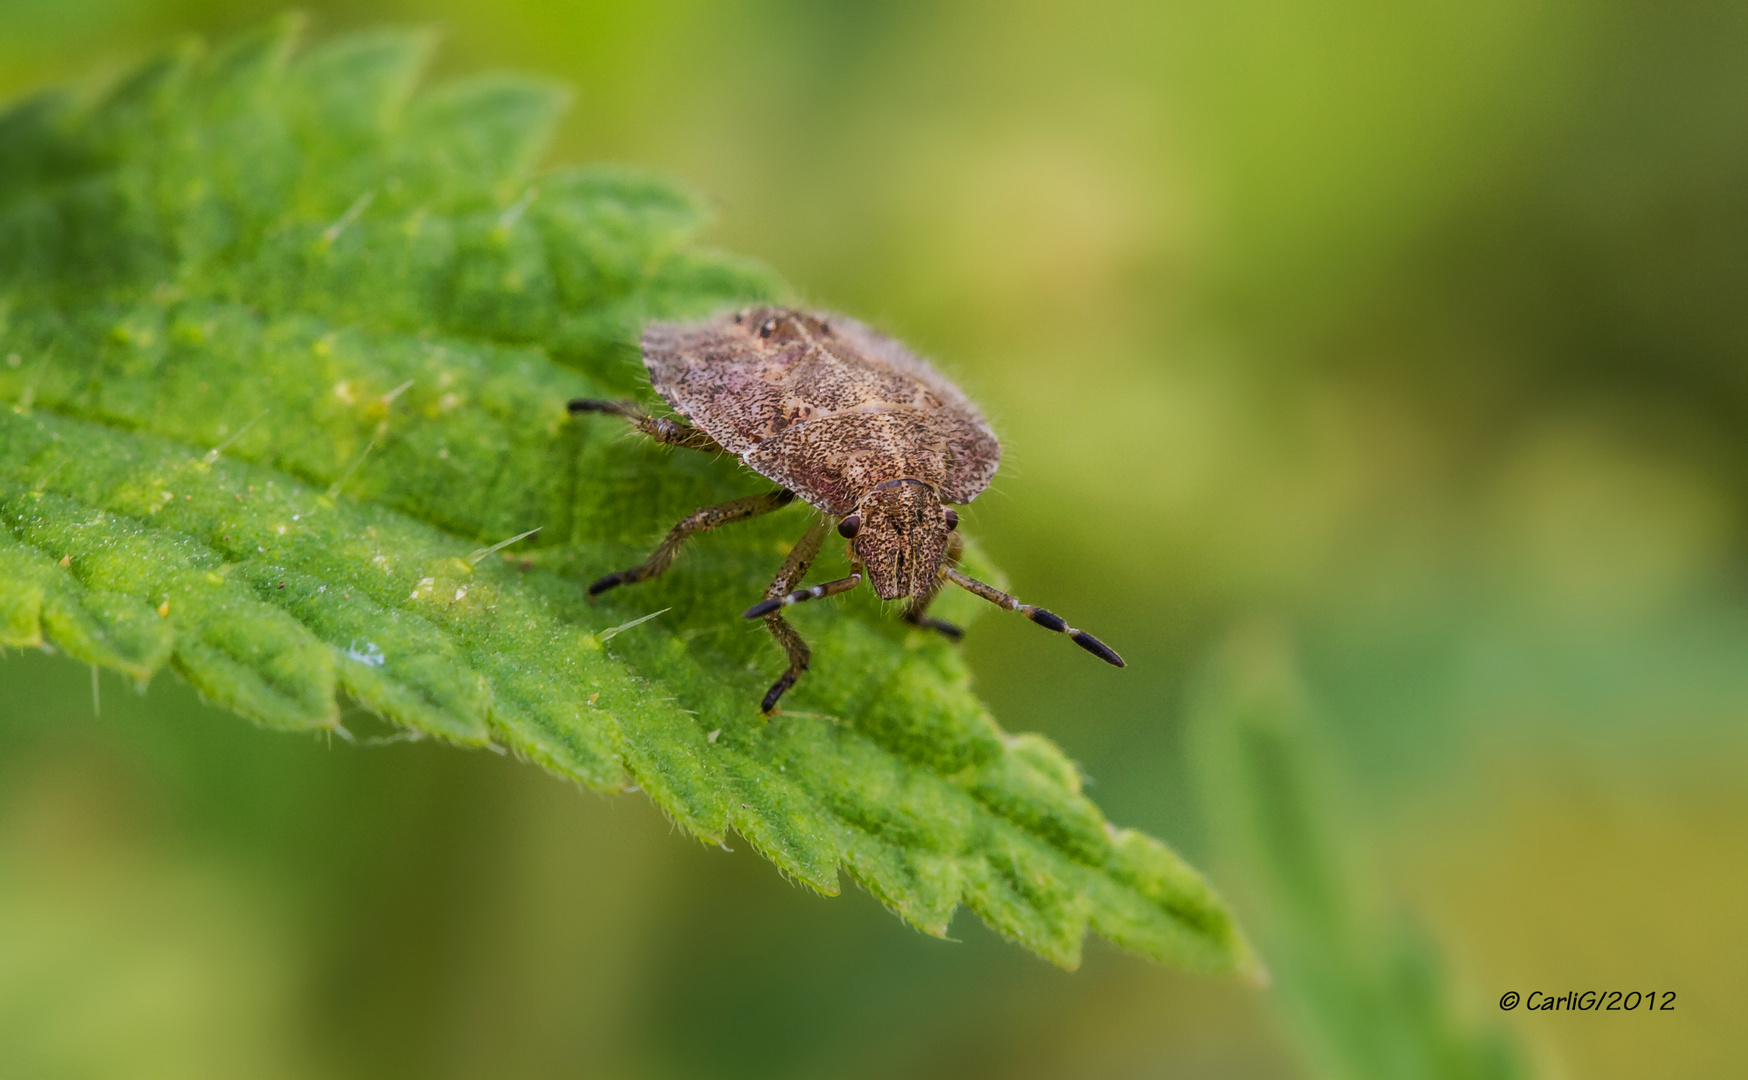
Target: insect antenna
<point x="1048" y="620"/>
<point x="816" y="592"/>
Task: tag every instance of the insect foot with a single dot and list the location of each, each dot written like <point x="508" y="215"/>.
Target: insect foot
<point x="939" y="626"/>
<point x="853" y="424"/>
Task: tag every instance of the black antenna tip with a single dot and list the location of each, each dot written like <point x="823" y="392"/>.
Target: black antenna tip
<point x="762" y="608"/>
<point x="1098" y="648"/>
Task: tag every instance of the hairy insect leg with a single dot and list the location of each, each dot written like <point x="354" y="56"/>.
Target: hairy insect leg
<point x="709" y="517"/>
<point x="794" y="568"/>
<point x="1038" y="615"/>
<point x="662" y="429"/>
<point x="917" y="613"/>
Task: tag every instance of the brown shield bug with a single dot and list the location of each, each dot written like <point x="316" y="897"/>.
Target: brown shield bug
<point x="853" y="423"/>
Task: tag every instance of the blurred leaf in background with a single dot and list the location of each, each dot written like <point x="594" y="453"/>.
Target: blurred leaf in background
<point x="1363" y="989"/>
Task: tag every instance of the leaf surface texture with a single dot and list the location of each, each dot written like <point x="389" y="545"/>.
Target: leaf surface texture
<point x="285" y="344"/>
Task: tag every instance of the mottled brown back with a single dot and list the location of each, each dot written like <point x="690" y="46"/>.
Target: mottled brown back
<point x="822" y="405"/>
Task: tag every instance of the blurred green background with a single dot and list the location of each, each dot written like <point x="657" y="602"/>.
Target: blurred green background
<point x="1374" y="376"/>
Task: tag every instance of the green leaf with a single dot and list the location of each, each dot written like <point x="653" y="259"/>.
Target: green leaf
<point x="284" y="345"/>
<point x="1365" y="988"/>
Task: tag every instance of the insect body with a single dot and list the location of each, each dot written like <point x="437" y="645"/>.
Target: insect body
<point x="854" y="424"/>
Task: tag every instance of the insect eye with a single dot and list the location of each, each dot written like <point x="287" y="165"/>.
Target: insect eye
<point x="768" y="327"/>
<point x="952" y="517"/>
<point x="850" y="526"/>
